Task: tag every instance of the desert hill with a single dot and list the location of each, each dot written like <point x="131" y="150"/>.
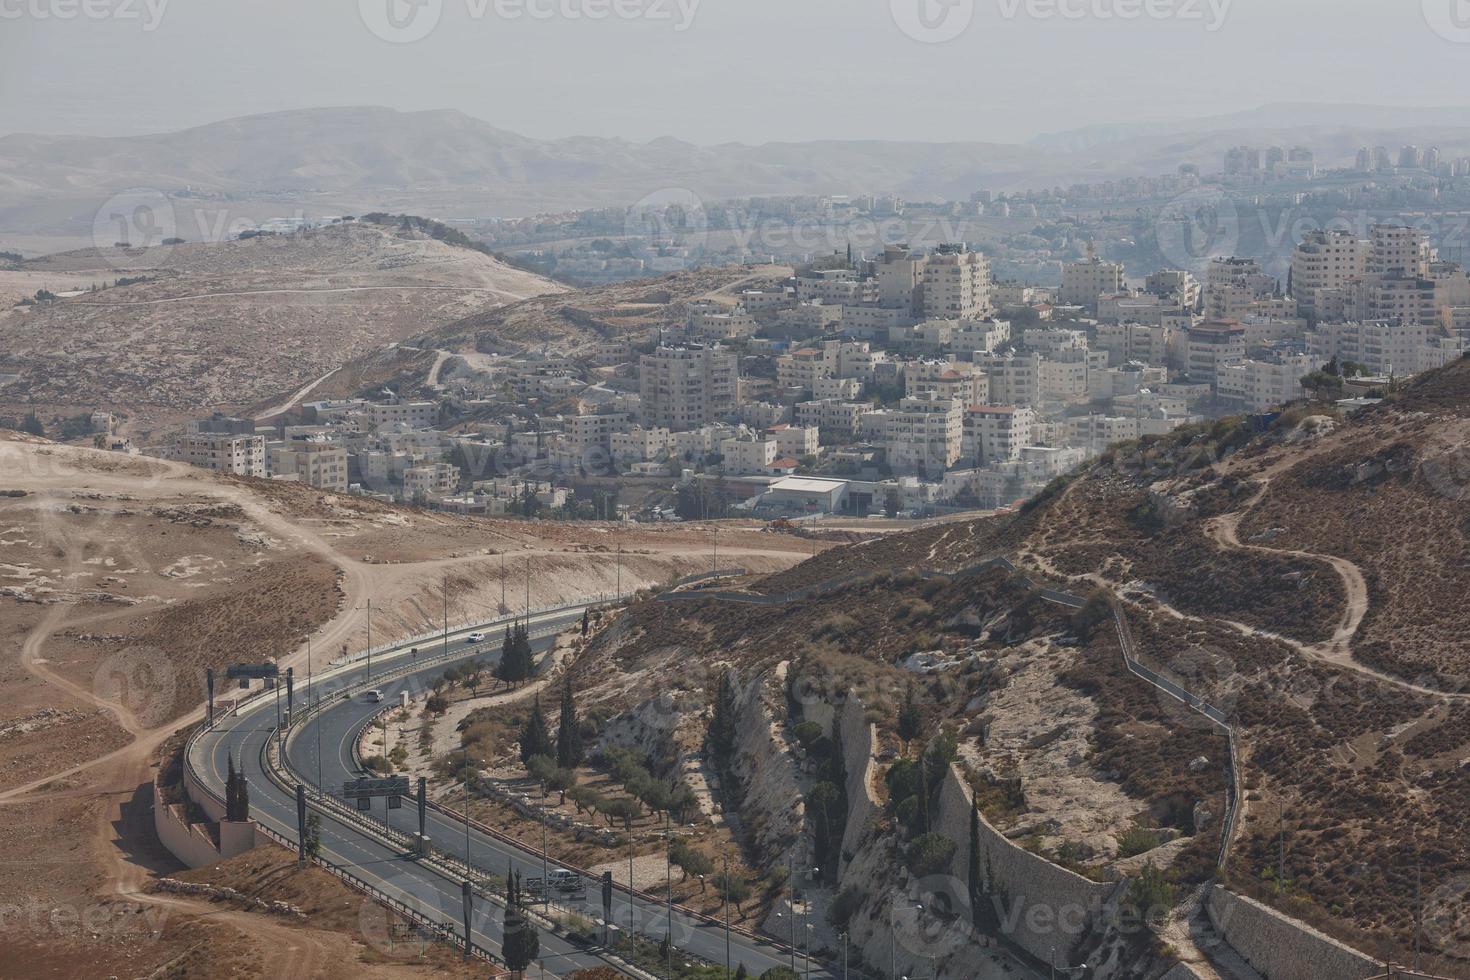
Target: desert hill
<point x="198" y="326"/>
<point x="1304" y="577"/>
<point x="447" y="164"/>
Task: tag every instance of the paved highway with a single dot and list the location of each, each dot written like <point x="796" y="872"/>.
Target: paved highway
<point x="381" y="860"/>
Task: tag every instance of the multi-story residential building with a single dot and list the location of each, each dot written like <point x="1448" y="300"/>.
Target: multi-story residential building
<point x="796" y="441"/>
<point x="802" y="368"/>
<point x="638" y="444"/>
<point x="1212" y="345"/>
<point x="836" y="420"/>
<point x="1174" y="287"/>
<point x="747" y="456"/>
<point x="317" y="462"/>
<point x="1399" y="252"/>
<point x="899" y="273"/>
<point x="716" y="325"/>
<point x="996" y="433"/>
<point x="1085" y="280"/>
<point x="972" y="336"/>
<point x="415" y="415"/>
<point x="681" y="387"/>
<point x="925" y="435"/>
<point x="837" y="287"/>
<point x="841" y="389"/>
<point x="1384" y="347"/>
<point x="225" y="445"/>
<point x="1325" y="259"/>
<point x="429" y="480"/>
<point x="1262" y="385"/>
<point x="1237" y="287"/>
<point x="956" y="284"/>
<point x="587" y="432"/>
<point x="1141" y="342"/>
<point x="948" y="379"/>
<point x="1015" y="379"/>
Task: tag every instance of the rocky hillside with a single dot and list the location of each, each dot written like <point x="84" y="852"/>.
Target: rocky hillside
<point x="200" y="326"/>
<point x="1305" y="579"/>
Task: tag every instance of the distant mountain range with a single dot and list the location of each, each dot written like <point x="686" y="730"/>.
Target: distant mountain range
<point x="447" y="164"/>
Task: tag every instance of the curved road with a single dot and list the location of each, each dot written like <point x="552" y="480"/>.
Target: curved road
<point x="384" y="863"/>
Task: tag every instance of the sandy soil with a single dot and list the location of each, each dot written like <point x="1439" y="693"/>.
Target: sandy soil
<point x="112" y="569"/>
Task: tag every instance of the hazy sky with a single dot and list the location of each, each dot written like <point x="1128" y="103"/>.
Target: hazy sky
<point x="716" y="70"/>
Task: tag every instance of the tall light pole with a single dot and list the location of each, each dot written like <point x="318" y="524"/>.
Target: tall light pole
<point x="620" y="573"/>
<point x="369" y="608"/>
<point x="791" y="877"/>
<point x="893" y="910"/>
<point x="465" y="778"/>
<point x="446" y="613"/>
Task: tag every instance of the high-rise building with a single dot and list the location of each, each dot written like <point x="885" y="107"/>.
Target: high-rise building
<point x="1085" y="280"/>
<point x="682" y="387"/>
<point x="956" y="284"/>
<point x="1325" y="260"/>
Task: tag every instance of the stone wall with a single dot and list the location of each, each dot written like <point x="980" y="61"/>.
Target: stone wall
<point x="772" y="805"/>
<point x="192" y="843"/>
<point x="858" y="739"/>
<point x="1047" y="907"/>
<point x="1281" y="948"/>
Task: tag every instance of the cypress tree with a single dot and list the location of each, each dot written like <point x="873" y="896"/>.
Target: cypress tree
<point x="521" y="943"/>
<point x="534" y="738"/>
<point x="569" y="749"/>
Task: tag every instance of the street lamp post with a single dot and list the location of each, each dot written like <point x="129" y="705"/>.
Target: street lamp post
<point x="893" y="910"/>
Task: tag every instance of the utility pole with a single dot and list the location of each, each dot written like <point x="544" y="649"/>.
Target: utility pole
<point x="715" y="564"/>
<point x="1281" y="847"/>
<point x="503" y="607"/>
<point x="300" y="826"/>
<point x="725" y="859"/>
<point x="669" y="889"/>
<point x="465" y="777"/>
<point x="620" y="573"/>
<point x="545" y="878"/>
<point x="528" y="595"/>
<point x="369" y="608"/>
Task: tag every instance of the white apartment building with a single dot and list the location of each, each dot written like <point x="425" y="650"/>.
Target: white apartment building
<point x="1175" y="287"/>
<point x="1399" y="252"/>
<point x="802" y="368"/>
<point x="971" y="336"/>
<point x="639" y="444"/>
<point x="317" y="462"/>
<point x="1065" y="381"/>
<point x="956" y="284"/>
<point x="996" y="433"/>
<point x="224" y="445"/>
<point x="586" y="432"/>
<point x="840" y="389"/>
<point x="684" y="387"/>
<point x="1142" y="342"/>
<point x="1325" y="259"/>
<point x="1015" y="379"/>
<point x="722" y="325"/>
<point x="837" y="420"/>
<point x="925" y="435"/>
<point x="1210" y="346"/>
<point x="796" y="441"/>
<point x="1237" y="287"/>
<point x="1084" y="281"/>
<point x="431" y="479"/>
<point x="1384" y="347"/>
<point x="415" y="415"/>
<point x="745" y="457"/>
<point x="1263" y="385"/>
<point x="947" y="379"/>
<point x="837" y="287"/>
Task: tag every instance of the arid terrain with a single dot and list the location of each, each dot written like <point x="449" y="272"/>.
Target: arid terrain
<point x="121" y="579"/>
<point x="230" y="325"/>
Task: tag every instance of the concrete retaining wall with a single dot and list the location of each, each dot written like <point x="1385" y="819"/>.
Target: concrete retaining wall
<point x="1280" y="947"/>
<point x="191" y="843"/>
<point x="772" y="804"/>
<point x="858" y="739"/>
<point x="1047" y="907"/>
